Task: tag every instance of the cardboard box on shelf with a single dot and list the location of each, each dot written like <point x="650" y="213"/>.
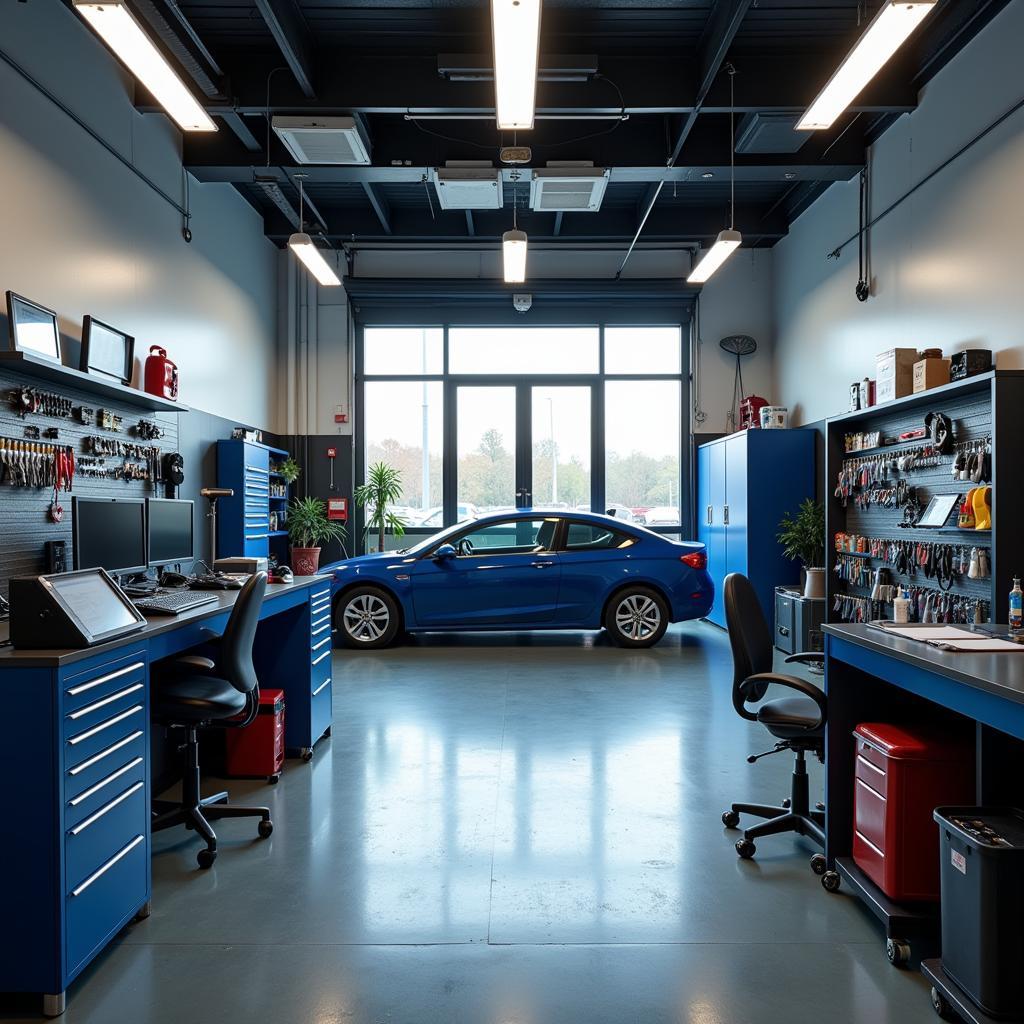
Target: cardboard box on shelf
<point x="930" y="373"/>
<point x="895" y="374"/>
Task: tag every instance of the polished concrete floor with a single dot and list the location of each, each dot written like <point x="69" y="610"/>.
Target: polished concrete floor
<point x="506" y="830"/>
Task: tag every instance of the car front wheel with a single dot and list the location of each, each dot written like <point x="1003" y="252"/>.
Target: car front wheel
<point x="367" y="618"/>
<point x="636" y="617"/>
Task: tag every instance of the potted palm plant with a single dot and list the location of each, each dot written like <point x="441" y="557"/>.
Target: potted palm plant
<point x="802" y="536"/>
<point x="382" y="489"/>
<point x="308" y="530"/>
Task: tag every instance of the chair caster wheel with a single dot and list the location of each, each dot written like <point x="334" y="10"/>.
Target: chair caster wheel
<point x="730" y="819"/>
<point x="787" y="803"/>
<point x="307" y="754"/>
<point x="265" y="828"/>
<point x="273" y="780"/>
<point x="898" y="952"/>
<point x="819" y="865"/>
<point x="942" y="1007"/>
<point x="746" y="849"/>
<point x="206" y="858"/>
<point x="830" y="881"/>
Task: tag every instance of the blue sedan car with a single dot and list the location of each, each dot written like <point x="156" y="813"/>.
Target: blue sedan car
<point x="524" y="570"/>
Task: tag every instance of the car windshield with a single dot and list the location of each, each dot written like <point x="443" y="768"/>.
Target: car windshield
<point x="434" y="538"/>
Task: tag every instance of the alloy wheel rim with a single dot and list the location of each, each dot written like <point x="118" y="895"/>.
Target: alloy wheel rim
<point x="638" y="617"/>
<point x="366" y="618"/>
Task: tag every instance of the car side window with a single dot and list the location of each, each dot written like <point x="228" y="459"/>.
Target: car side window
<point x="512" y="536"/>
<point x="592" y="537"/>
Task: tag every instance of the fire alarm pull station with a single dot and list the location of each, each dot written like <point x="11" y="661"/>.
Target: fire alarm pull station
<point x="332" y="454"/>
<point x="337" y="508"/>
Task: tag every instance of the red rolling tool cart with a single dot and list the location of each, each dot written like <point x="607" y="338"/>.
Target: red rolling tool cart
<point x="259" y="748"/>
<point x="901" y="775"/>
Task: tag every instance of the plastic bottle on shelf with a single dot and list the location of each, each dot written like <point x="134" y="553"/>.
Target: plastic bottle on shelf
<point x="901" y="606"/>
<point x="1016" y="606"/>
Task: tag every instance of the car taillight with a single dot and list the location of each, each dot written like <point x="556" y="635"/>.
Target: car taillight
<point x="695" y="559"/>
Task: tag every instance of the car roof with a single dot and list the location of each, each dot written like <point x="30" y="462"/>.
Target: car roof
<point x="598" y="518"/>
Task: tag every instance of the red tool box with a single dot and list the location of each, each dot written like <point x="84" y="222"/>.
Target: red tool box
<point x="259" y="748"/>
<point x="901" y="775"/>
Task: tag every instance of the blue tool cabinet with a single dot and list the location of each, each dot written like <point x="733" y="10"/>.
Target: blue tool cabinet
<point x="746" y="482"/>
<point x="243" y="521"/>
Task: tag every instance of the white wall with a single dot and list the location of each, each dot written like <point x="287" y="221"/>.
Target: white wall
<point x="947" y="270"/>
<point x="83" y="234"/>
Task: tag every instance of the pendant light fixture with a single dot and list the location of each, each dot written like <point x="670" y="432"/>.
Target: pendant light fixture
<point x="514" y="242"/>
<point x="515" y="25"/>
<point x="730" y="239"/>
<point x="114" y="24"/>
<point x="302" y="245"/>
<point x="887" y="32"/>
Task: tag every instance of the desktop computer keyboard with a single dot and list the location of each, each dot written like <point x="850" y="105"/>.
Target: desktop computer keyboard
<point x="174" y="603"/>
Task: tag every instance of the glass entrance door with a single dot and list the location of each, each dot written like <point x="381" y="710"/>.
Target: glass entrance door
<point x="523" y="445"/>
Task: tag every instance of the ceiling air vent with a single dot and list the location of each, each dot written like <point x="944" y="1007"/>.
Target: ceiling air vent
<point x="323" y="140"/>
<point x="769" y="133"/>
<point x="568" y="189"/>
<point x="468" y="185"/>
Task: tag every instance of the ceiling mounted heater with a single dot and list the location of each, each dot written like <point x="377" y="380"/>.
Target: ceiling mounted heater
<point x="468" y="186"/>
<point x="323" y="140"/>
<point x="568" y="189"/>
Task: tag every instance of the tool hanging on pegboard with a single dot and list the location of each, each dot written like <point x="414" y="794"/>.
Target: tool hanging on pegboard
<point x="27" y="401"/>
<point x="32" y="464"/>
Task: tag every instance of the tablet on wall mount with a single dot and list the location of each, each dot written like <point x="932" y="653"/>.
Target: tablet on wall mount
<point x="70" y="610"/>
<point x="106" y="351"/>
<point x="32" y="328"/>
<point x="939" y="508"/>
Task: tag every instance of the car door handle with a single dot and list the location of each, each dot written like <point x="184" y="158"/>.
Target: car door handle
<point x="542" y="565"/>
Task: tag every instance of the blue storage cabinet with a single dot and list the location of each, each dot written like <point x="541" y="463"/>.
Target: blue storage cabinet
<point x="77" y="859"/>
<point x="746" y="482"/>
<point x="243" y="521"/>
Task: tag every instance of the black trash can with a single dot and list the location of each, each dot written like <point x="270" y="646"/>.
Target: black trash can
<point x="981" y="851"/>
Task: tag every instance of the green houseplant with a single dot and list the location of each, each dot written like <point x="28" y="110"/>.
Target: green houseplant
<point x="308" y="530"/>
<point x="802" y="536"/>
<point x="382" y="489"/>
<point x="289" y="469"/>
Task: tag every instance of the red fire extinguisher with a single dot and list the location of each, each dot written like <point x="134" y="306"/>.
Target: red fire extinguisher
<point x="161" y="374"/>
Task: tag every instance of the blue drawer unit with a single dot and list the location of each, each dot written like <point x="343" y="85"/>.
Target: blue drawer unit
<point x="80" y="736"/>
<point x="244" y="524"/>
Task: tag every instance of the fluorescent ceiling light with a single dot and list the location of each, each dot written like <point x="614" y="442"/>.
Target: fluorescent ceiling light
<point x="887" y="32"/>
<point x="516" y="28"/>
<point x="513" y="251"/>
<point x="122" y="33"/>
<point x="302" y="245"/>
<point x="726" y="242"/>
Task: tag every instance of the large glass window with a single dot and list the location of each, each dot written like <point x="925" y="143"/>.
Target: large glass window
<point x="403" y="426"/>
<point x="514" y="417"/>
<point x="532" y="351"/>
<point x="642" y="439"/>
<point x="403" y="351"/>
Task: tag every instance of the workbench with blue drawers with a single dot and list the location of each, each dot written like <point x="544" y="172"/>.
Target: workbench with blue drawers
<point x="75" y="830"/>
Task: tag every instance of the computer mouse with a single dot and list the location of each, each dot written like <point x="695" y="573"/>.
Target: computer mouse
<point x="285" y="574"/>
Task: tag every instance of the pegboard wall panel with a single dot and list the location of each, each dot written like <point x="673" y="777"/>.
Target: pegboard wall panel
<point x="971" y="416"/>
<point x="25" y="525"/>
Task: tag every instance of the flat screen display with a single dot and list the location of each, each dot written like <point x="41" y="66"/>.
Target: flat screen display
<point x="170" y="531"/>
<point x="109" y="533"/>
<point x="33" y="328"/>
<point x="91" y="598"/>
<point x="106" y="351"/>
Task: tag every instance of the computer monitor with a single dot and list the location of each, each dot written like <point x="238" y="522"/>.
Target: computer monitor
<point x="169" y="530"/>
<point x="109" y="533"/>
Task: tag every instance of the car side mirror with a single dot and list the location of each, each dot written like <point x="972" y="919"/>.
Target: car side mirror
<point x="444" y="552"/>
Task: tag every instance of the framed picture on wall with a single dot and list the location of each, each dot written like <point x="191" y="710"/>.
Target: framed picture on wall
<point x="106" y="351"/>
<point x="32" y="328"/>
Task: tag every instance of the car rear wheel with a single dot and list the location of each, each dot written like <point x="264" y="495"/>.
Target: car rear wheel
<point x="636" y="617"/>
<point x="367" y="618"/>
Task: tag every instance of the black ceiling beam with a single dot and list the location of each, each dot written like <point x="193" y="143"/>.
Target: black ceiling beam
<point x="676" y="223"/>
<point x="238" y="125"/>
<point x="289" y="32"/>
<point x="179" y="40"/>
<point x="650" y="85"/>
<point x="724" y="23"/>
<point x="470" y="225"/>
<point x="380" y="208"/>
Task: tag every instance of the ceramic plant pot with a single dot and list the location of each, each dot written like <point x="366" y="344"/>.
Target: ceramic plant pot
<point x="305" y="561"/>
<point x="814" y="584"/>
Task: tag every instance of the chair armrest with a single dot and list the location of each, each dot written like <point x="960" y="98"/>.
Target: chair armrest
<point x="807" y="657"/>
<point x="793" y="683"/>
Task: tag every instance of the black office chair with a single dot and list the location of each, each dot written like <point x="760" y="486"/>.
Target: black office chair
<point x="797" y="722"/>
<point x="192" y="693"/>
